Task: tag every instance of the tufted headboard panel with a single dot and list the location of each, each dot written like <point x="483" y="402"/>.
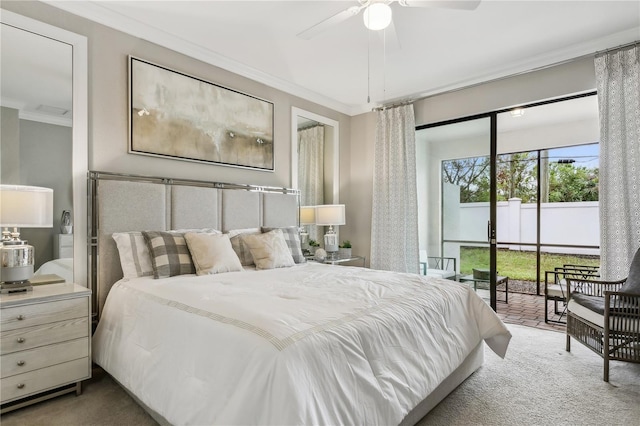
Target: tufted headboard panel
<point x="121" y="203"/>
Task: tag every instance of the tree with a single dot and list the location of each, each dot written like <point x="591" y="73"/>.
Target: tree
<point x="469" y="174"/>
<point x="516" y="176"/>
<point x="568" y="183"/>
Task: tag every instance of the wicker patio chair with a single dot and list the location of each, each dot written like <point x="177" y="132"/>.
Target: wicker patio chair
<point x="555" y="286"/>
<point x="605" y="316"/>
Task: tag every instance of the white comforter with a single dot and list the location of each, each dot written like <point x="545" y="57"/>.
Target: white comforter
<point x="313" y="344"/>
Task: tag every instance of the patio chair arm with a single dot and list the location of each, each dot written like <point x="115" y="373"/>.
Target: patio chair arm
<point x="623" y="307"/>
<point x="441" y="264"/>
<point x="592" y="287"/>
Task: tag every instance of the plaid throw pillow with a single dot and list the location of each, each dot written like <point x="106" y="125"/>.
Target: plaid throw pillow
<point x="292" y="237"/>
<point x="241" y="249"/>
<point x="170" y="254"/>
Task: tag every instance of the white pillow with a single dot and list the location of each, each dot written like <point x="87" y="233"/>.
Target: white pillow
<point x="240" y="247"/>
<point x="135" y="258"/>
<point x="269" y="250"/>
<point x="212" y="253"/>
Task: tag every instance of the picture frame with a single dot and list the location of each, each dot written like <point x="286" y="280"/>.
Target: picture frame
<point x="179" y="116"/>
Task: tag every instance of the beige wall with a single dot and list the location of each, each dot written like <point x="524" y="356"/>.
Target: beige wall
<point x="108" y="103"/>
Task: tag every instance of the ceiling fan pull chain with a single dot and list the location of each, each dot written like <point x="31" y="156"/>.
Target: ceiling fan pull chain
<point x="369" y="67"/>
<point x="384" y="66"/>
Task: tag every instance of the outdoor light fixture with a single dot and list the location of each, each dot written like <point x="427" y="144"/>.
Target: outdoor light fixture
<point x="517" y="112"/>
<point x="330" y="215"/>
<point x="377" y="16"/>
<point x="21" y="207"/>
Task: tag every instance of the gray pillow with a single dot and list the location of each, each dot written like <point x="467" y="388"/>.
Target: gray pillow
<point x="633" y="279"/>
<point x="170" y="254"/>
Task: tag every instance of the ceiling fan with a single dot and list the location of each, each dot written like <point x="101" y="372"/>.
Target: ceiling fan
<point x="377" y="13"/>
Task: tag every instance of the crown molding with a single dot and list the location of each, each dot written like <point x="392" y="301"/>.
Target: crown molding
<point x="102" y="15"/>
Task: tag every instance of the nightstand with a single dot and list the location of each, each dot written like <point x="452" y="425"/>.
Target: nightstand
<point x="45" y="343"/>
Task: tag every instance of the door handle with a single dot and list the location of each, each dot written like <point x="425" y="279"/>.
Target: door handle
<point x="489" y="231"/>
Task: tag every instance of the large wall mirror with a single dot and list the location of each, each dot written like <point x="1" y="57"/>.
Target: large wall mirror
<point x="44" y="134"/>
<point x="315" y="162"/>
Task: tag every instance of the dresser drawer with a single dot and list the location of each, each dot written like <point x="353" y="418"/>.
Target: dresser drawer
<point x="45" y="356"/>
<point x="32" y="337"/>
<point x="42" y="313"/>
<point x="44" y="379"/>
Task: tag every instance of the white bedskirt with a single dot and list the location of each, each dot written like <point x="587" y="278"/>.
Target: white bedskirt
<point x="312" y="344"/>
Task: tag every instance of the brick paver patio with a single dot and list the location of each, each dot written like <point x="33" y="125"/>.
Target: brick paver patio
<point x="527" y="309"/>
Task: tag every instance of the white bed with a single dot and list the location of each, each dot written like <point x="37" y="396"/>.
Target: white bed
<point x="307" y="344"/>
<point x="311" y="344"/>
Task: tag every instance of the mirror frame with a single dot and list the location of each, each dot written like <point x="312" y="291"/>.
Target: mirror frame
<point x="79" y="129"/>
<point x="334" y="145"/>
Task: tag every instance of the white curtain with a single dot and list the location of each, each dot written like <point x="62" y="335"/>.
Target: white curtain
<point x="394" y="224"/>
<point x="311" y="171"/>
<point x="618" y="77"/>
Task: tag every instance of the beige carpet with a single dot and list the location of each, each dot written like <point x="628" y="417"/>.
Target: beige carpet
<point x="537" y="384"/>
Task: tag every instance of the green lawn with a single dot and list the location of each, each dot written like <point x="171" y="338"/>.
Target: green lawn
<point x="519" y="265"/>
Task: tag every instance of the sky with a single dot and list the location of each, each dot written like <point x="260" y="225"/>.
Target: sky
<point x="584" y="155"/>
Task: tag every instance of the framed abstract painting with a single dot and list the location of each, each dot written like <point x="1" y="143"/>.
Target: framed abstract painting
<point x="179" y="116"/>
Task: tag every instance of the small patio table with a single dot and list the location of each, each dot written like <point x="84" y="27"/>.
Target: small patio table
<point x="499" y="281"/>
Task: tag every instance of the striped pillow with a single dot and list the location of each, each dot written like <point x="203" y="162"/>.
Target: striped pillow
<point x="170" y="254"/>
<point x="292" y="237"/>
<point x="135" y="258"/>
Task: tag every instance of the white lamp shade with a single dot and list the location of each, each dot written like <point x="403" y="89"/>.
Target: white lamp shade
<point x="307" y="215"/>
<point x="26" y="206"/>
<point x="330" y="214"/>
<point x="377" y="16"/>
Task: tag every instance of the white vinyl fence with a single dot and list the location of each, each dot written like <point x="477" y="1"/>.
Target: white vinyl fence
<point x="560" y="223"/>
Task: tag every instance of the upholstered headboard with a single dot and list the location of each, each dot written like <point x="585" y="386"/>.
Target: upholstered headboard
<point x="121" y="203"/>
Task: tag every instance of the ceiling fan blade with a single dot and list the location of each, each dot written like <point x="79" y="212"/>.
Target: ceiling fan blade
<point x="322" y="26"/>
<point x="446" y="4"/>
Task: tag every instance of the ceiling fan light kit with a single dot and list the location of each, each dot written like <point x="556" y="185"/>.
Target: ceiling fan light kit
<point x="377" y="16"/>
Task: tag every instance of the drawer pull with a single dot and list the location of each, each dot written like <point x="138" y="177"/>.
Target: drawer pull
<point x="21" y="385"/>
<point x="20" y="317"/>
<point x="20" y="363"/>
<point x="20" y="339"/>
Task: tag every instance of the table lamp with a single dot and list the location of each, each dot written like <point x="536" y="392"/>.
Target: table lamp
<point x="330" y="215"/>
<point x="21" y="207"/>
<point x="307" y="217"/>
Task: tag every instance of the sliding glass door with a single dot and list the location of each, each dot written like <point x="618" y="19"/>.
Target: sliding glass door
<point x="507" y="194"/>
<point x="455" y="181"/>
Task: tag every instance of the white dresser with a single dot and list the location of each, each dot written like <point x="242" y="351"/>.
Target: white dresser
<point x="45" y="343"/>
<point x="63" y="246"/>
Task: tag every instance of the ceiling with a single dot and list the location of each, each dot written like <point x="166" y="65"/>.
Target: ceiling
<point x="438" y="49"/>
<point x="435" y="49"/>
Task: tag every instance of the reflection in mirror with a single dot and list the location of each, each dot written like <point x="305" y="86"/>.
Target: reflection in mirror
<point x="315" y="161"/>
<point x="43" y="133"/>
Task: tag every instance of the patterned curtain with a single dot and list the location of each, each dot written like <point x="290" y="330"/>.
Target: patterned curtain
<point x="311" y="171"/>
<point x="394" y="223"/>
<point x="618" y="76"/>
